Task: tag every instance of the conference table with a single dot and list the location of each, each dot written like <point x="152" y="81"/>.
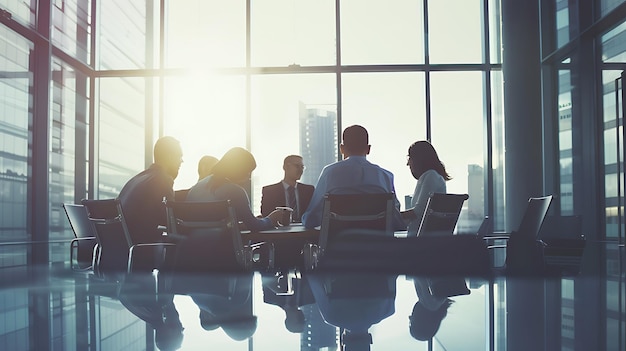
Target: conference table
<point x="288" y="242"/>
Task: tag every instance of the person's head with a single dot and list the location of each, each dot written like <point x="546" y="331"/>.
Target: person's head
<point x="168" y="154"/>
<point x="236" y="165"/>
<point x="422" y="157"/>
<point x="356" y="341"/>
<point x="240" y="328"/>
<point x="168" y="338"/>
<point x="424" y="323"/>
<point x="355" y="141"/>
<point x="205" y="166"/>
<point x="293" y="166"/>
<point x="294" y="320"/>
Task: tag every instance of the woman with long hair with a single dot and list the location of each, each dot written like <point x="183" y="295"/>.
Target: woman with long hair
<point x="431" y="176"/>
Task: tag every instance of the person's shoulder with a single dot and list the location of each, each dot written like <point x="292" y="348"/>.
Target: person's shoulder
<point x="270" y="186"/>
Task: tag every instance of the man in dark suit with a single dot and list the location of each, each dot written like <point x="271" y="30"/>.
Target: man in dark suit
<point x="288" y="192"/>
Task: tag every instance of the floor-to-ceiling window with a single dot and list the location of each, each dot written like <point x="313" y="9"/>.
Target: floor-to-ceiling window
<point x="583" y="63"/>
<point x="301" y="72"/>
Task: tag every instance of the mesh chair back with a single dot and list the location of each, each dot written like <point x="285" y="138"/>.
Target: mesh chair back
<point x="441" y="214"/>
<point x="347" y="214"/>
<point x="79" y="221"/>
<point x="83" y="229"/>
<point x="111" y="233"/>
<point x="534" y="215"/>
<point x="209" y="235"/>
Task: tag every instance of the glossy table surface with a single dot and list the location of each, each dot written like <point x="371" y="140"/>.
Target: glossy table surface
<point x="43" y="308"/>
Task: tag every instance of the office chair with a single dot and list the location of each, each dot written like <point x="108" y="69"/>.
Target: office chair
<point x="441" y="214"/>
<point x="83" y="246"/>
<point x="348" y="218"/>
<point x="117" y="251"/>
<point x="208" y="238"/>
<point x="524" y="253"/>
<point x="563" y="243"/>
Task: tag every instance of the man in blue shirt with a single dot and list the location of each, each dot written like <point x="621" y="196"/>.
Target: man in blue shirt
<point x="353" y="175"/>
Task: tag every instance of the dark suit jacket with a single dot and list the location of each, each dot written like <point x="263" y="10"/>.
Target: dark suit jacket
<point x="274" y="196"/>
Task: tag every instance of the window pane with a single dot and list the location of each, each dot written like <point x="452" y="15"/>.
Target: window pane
<point x="391" y="107"/>
<point x="71" y="28"/>
<point x="495" y="31"/>
<point x="458" y="137"/>
<point x="292" y="32"/>
<point x="21" y="11"/>
<point x="613" y="49"/>
<point x="69" y="134"/>
<point x="206" y="33"/>
<point x="292" y="114"/>
<point x="497" y="148"/>
<point x="607" y="6"/>
<point x="122" y="133"/>
<point x="15" y="118"/>
<point x="565" y="141"/>
<point x="122" y="34"/>
<point x="382" y="32"/>
<point x="458" y="43"/>
<point x="208" y="115"/>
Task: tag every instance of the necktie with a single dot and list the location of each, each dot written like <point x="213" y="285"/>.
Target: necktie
<point x="291" y="202"/>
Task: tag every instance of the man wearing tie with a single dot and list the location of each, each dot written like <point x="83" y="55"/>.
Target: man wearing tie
<point x="288" y="192"/>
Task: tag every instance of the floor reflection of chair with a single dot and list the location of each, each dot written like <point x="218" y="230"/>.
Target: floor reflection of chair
<point x="118" y="252"/>
<point x="83" y="245"/>
<point x="441" y="214"/>
<point x="354" y="303"/>
<point x="208" y="239"/>
<point x="346" y="217"/>
<point x="224" y="301"/>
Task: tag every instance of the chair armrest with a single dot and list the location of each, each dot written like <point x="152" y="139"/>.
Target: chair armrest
<point x="141" y="247"/>
<point x="259" y="255"/>
<point x="311" y="254"/>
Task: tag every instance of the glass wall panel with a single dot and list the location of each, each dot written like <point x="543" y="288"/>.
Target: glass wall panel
<point x="495" y="31"/>
<point x="122" y="123"/>
<point x="613" y="50"/>
<point x="122" y="34"/>
<point x="455" y="31"/>
<point x="206" y="33"/>
<point x="292" y="32"/>
<point x="562" y="22"/>
<point x="458" y="136"/>
<point x="382" y="32"/>
<point x="607" y="6"/>
<point x="497" y="151"/>
<point x="292" y="114"/>
<point x="71" y="27"/>
<point x="566" y="169"/>
<point x="391" y="106"/>
<point x="21" y="11"/>
<point x="69" y="133"/>
<point x="16" y="100"/>
<point x="208" y="115"/>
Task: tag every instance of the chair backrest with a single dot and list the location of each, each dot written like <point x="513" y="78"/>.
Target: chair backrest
<point x="534" y="215"/>
<point x="111" y="233"/>
<point x="208" y="233"/>
<point x="79" y="221"/>
<point x="561" y="227"/>
<point x="181" y="195"/>
<point x="486" y="227"/>
<point x="441" y="214"/>
<point x="347" y="214"/>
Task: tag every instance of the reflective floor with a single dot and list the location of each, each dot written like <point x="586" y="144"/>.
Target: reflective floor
<point x="58" y="309"/>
